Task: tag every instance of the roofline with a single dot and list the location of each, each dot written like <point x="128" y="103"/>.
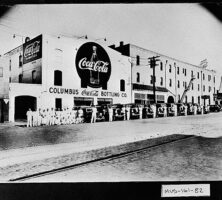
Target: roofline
<point x="171" y="58"/>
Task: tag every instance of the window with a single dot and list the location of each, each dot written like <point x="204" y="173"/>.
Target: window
<point x="198" y="75"/>
<point x="192" y="100"/>
<point x="178" y="70"/>
<point x="178" y="84"/>
<point x="185" y="70"/>
<point x="198" y="87"/>
<point x="214" y="90"/>
<point x="10" y="79"/>
<point x="185" y="84"/>
<point x="209" y="77"/>
<point x="170" y="69"/>
<point x="58" y="103"/>
<point x="137" y="60"/>
<point x="122" y="85"/>
<point x="161" y="81"/>
<point x="34" y="76"/>
<point x="151" y="79"/>
<point x="137" y="77"/>
<point x="178" y="97"/>
<point x="10" y="65"/>
<point x="161" y="66"/>
<point x="1" y="71"/>
<point x="204" y="88"/>
<point x="214" y="79"/>
<point x="203" y="76"/>
<point x="20" y="60"/>
<point x="58" y="78"/>
<point x="192" y="86"/>
<point x="186" y="99"/>
<point x="198" y="99"/>
<point x="191" y="73"/>
<point x="209" y="89"/>
<point x="170" y="83"/>
<point x="20" y="78"/>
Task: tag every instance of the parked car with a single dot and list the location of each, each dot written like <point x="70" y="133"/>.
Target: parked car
<point x="117" y="112"/>
<point x="161" y="109"/>
<point x="134" y="112"/>
<point x="190" y="109"/>
<point x="148" y="112"/>
<point x="170" y="109"/>
<point x="181" y="109"/>
<point x="215" y="108"/>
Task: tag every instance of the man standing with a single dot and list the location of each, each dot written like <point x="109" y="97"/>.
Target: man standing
<point x="94" y="111"/>
<point x="141" y="111"/>
<point x="128" y="112"/>
<point x="29" y="117"/>
<point x="110" y="110"/>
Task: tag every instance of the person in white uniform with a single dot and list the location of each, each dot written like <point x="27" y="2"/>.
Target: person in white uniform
<point x="94" y="111"/>
<point x="141" y="111"/>
<point x="128" y="112"/>
<point x="29" y="117"/>
<point x="110" y="111"/>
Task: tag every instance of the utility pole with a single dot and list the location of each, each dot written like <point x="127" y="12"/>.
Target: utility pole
<point x="152" y="62"/>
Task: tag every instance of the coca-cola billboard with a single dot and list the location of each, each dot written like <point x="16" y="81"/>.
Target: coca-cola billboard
<point x="32" y="50"/>
<point x="93" y="65"/>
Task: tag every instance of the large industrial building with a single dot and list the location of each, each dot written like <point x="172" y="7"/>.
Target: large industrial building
<point x="50" y="71"/>
<point x="172" y="78"/>
<point x="58" y="72"/>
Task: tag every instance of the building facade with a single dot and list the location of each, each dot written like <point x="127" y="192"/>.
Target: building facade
<point x="172" y="78"/>
<point x="59" y="72"/>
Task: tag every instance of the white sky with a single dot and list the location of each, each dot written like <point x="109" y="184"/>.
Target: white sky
<point x="187" y="32"/>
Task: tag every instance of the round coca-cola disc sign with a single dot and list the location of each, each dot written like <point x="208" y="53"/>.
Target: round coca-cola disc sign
<point x="93" y="65"/>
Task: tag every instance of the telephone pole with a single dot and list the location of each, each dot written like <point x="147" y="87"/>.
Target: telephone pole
<point x="152" y="62"/>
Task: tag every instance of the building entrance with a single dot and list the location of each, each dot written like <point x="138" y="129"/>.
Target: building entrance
<point x="170" y="99"/>
<point x="22" y="104"/>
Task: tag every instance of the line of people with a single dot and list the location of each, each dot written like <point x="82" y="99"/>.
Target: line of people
<point x="49" y="117"/>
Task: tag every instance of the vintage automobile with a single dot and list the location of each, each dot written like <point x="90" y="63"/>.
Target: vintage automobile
<point x="170" y="109"/>
<point x="148" y="112"/>
<point x="102" y="110"/>
<point x="161" y="109"/>
<point x="199" y="109"/>
<point x="181" y="111"/>
<point x="190" y="109"/>
<point x="206" y="109"/>
<point x="87" y="113"/>
<point x="134" y="111"/>
<point x="215" y="108"/>
<point x="118" y="113"/>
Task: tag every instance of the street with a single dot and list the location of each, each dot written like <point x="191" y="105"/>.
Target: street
<point x="192" y="159"/>
<point x="196" y="158"/>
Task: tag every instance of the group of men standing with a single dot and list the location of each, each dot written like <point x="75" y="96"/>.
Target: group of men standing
<point x="49" y="117"/>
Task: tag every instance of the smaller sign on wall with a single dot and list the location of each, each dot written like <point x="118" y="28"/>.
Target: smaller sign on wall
<point x="32" y="50"/>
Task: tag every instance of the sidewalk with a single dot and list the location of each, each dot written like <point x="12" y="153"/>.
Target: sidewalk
<point x="85" y="142"/>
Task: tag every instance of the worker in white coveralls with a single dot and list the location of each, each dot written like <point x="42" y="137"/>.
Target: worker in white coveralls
<point x="29" y="117"/>
<point x="39" y="116"/>
<point x="110" y="110"/>
<point x="128" y="112"/>
<point x="34" y="118"/>
<point x="94" y="111"/>
<point x="141" y="111"/>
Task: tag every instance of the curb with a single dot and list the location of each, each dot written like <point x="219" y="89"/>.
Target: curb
<point x="28" y="169"/>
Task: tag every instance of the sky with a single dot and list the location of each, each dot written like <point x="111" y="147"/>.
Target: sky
<point x="187" y="32"/>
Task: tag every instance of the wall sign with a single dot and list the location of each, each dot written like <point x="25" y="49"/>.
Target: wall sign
<point x="93" y="65"/>
<point x="32" y="50"/>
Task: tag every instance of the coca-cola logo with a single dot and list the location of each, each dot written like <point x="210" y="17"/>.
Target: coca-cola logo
<point x="93" y="65"/>
<point x="32" y="50"/>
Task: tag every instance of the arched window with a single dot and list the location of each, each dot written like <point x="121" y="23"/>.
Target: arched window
<point x="178" y="84"/>
<point x="58" y="78"/>
<point x="20" y="78"/>
<point x="137" y="60"/>
<point x="161" y="81"/>
<point x="122" y="85"/>
<point x="137" y="77"/>
<point x="34" y="76"/>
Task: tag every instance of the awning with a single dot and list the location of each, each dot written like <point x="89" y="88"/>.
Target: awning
<point x="148" y="87"/>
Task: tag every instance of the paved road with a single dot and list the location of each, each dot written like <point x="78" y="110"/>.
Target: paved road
<point x="14" y="137"/>
<point x="191" y="159"/>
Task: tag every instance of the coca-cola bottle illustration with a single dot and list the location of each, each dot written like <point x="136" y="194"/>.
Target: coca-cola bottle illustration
<point x="94" y="75"/>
